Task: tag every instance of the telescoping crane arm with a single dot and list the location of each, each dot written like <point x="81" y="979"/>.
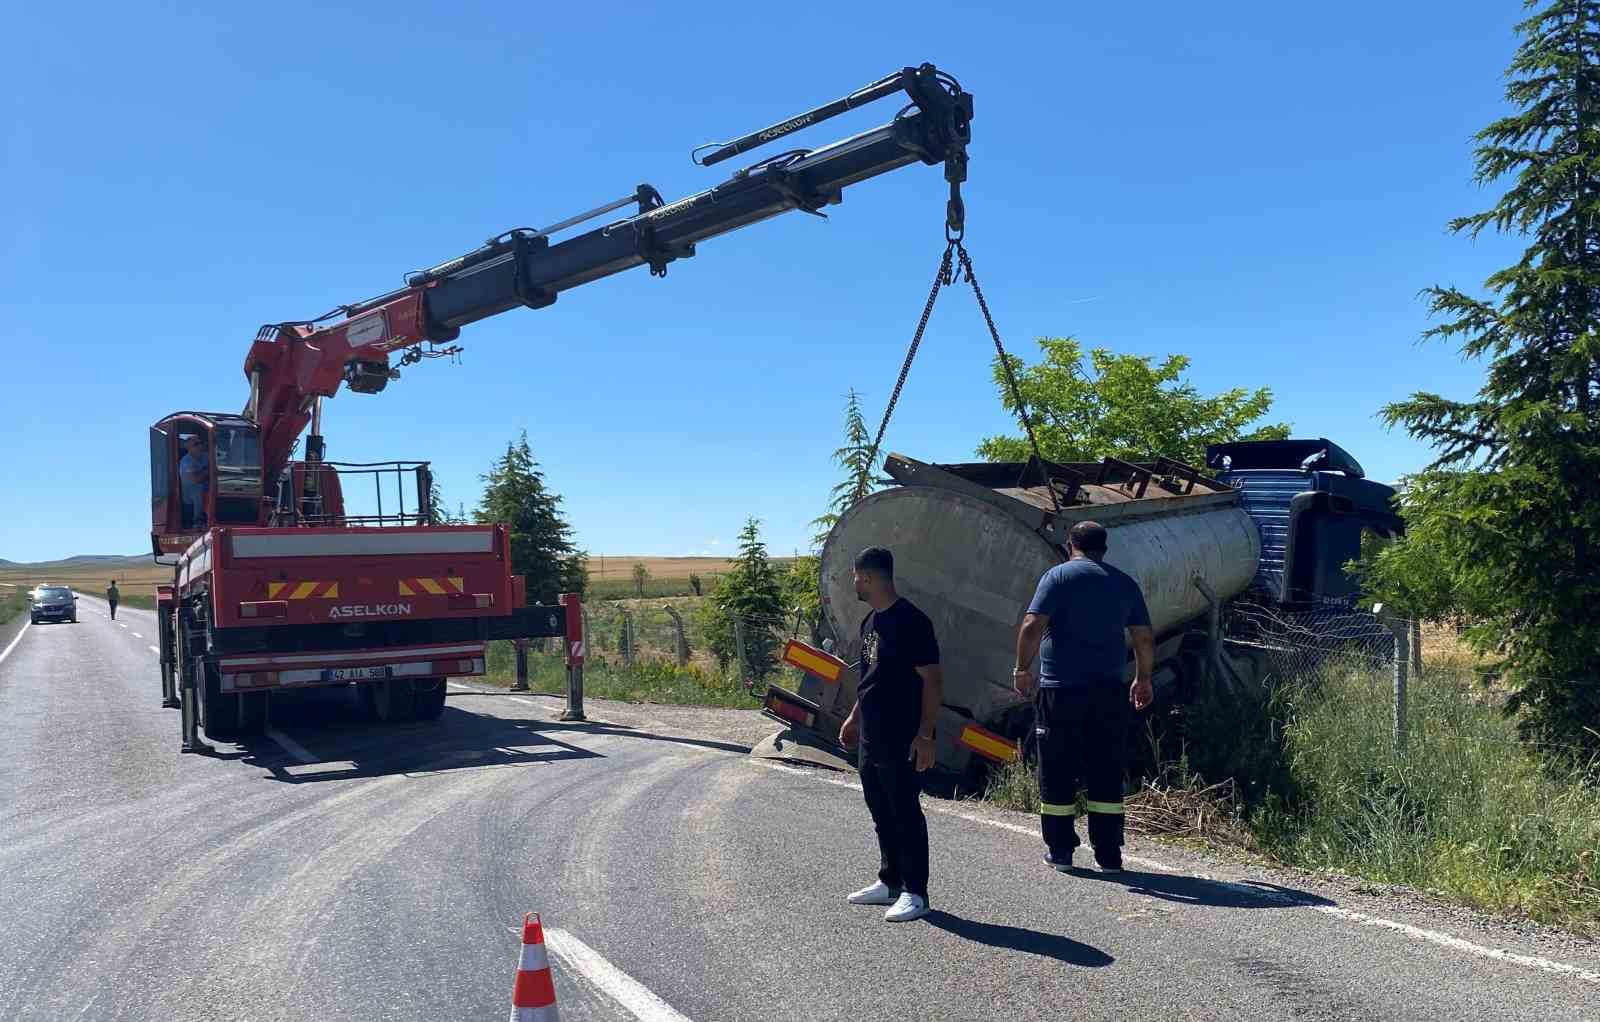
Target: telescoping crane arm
<point x="292" y="364"/>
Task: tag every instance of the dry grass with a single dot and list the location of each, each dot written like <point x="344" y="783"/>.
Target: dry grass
<point x="619" y="568"/>
<point x="1442" y="647"/>
<point x="133" y="580"/>
<point x="143" y="578"/>
<point x="1190" y="809"/>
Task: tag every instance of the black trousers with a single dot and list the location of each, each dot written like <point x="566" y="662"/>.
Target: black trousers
<point x="1083" y="745"/>
<point x="894" y="797"/>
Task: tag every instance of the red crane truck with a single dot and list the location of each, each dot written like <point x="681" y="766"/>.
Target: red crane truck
<point x="280" y="584"/>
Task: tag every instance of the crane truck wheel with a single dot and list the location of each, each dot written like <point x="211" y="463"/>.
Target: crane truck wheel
<point x="428" y="698"/>
<point x="228" y="715"/>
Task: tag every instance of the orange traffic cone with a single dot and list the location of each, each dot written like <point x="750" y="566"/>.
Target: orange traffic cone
<point x="533" y="998"/>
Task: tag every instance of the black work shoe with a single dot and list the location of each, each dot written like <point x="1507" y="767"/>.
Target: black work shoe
<point x="1059" y="863"/>
<point x="1109" y="865"/>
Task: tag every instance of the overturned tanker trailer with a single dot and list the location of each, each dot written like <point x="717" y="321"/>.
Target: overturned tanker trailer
<point x="970" y="542"/>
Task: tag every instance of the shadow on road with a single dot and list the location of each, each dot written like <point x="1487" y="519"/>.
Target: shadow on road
<point x="1015" y="938"/>
<point x="329" y="725"/>
<point x="1188" y="890"/>
<point x="344" y="746"/>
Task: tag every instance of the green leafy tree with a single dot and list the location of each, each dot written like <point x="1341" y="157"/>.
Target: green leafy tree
<point x="541" y="540"/>
<point x="802" y="581"/>
<point x="1508" y="514"/>
<point x="641" y="577"/>
<point x="1122" y="406"/>
<point x="752" y="591"/>
<point x="860" y="468"/>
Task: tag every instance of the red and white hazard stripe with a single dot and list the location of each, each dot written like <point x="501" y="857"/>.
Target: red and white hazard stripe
<point x="533" y="995"/>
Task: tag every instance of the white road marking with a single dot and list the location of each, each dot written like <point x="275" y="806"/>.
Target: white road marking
<point x="156" y="650"/>
<point x="121" y="625"/>
<point x="632" y="995"/>
<point x="291" y="746"/>
<point x="1289" y="901"/>
<point x="488" y="692"/>
<point x="136" y="635"/>
<point x="26" y="625"/>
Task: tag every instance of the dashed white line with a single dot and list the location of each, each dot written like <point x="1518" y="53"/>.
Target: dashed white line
<point x="291" y="746"/>
<point x="121" y="625"/>
<point x="155" y="649"/>
<point x="26" y="625"/>
<point x="1289" y="901"/>
<point x="136" y="635"/>
<point x="632" y="995"/>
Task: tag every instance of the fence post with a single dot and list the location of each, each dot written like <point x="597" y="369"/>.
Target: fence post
<point x="577" y="628"/>
<point x="738" y="646"/>
<point x="1415" y="639"/>
<point x="627" y="638"/>
<point x="681" y="646"/>
<point x="522" y="665"/>
<point x="1400" y="629"/>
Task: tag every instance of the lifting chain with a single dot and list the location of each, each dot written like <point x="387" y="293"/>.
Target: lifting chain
<point x="954" y="250"/>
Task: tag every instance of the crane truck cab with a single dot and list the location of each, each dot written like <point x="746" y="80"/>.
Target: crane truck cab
<point x="205" y="470"/>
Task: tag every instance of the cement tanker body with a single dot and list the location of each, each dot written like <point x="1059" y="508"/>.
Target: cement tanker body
<point x="970" y="542"/>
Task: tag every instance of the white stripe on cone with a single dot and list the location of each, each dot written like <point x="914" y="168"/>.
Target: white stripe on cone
<point x="534" y="958"/>
<point x="534" y="981"/>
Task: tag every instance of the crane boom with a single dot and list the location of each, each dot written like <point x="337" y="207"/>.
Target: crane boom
<point x="292" y="364"/>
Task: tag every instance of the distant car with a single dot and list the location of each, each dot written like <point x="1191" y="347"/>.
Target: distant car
<point x="54" y="603"/>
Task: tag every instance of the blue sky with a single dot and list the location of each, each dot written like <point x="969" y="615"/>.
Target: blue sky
<point x="1262" y="186"/>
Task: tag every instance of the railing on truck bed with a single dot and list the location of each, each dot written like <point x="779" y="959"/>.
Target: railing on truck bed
<point x="322" y="495"/>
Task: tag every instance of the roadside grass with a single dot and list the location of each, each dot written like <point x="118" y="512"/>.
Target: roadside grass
<point x="1466" y="811"/>
<point x="645" y="682"/>
<point x="12" y="603"/>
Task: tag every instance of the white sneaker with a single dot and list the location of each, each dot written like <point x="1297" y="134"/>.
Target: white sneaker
<point x="908" y="907"/>
<point x="879" y="893"/>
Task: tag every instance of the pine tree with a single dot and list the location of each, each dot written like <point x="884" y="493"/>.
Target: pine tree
<point x="860" y="468"/>
<point x="437" y="514"/>
<point x="541" y="540"/>
<point x="752" y="592"/>
<point x="1511" y="504"/>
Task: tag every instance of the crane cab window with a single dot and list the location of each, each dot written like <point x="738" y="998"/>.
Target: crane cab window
<point x="236" y="474"/>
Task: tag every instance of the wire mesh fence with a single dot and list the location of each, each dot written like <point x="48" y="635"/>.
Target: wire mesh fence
<point x="696" y="639"/>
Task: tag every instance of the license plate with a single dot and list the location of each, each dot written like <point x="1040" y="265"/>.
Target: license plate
<point x="355" y="674"/>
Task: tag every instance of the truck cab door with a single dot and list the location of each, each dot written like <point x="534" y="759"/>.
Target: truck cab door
<point x="163" y="503"/>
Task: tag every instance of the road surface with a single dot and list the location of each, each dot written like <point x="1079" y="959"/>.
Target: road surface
<point x="332" y="870"/>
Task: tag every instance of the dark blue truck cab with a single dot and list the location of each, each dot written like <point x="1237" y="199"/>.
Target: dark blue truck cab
<point x="1313" y="505"/>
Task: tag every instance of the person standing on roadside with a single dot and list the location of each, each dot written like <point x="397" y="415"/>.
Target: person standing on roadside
<point x="112" y="596"/>
<point x="1075" y="625"/>
<point x="897" y="706"/>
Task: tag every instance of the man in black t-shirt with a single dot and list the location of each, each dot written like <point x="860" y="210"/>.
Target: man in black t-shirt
<point x="892" y="721"/>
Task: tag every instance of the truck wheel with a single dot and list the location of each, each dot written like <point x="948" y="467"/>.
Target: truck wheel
<point x="219" y="713"/>
<point x="391" y="702"/>
<point x="428" y="698"/>
<point x="228" y="715"/>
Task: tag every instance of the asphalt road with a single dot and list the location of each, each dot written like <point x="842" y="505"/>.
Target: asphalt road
<point x="336" y="870"/>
